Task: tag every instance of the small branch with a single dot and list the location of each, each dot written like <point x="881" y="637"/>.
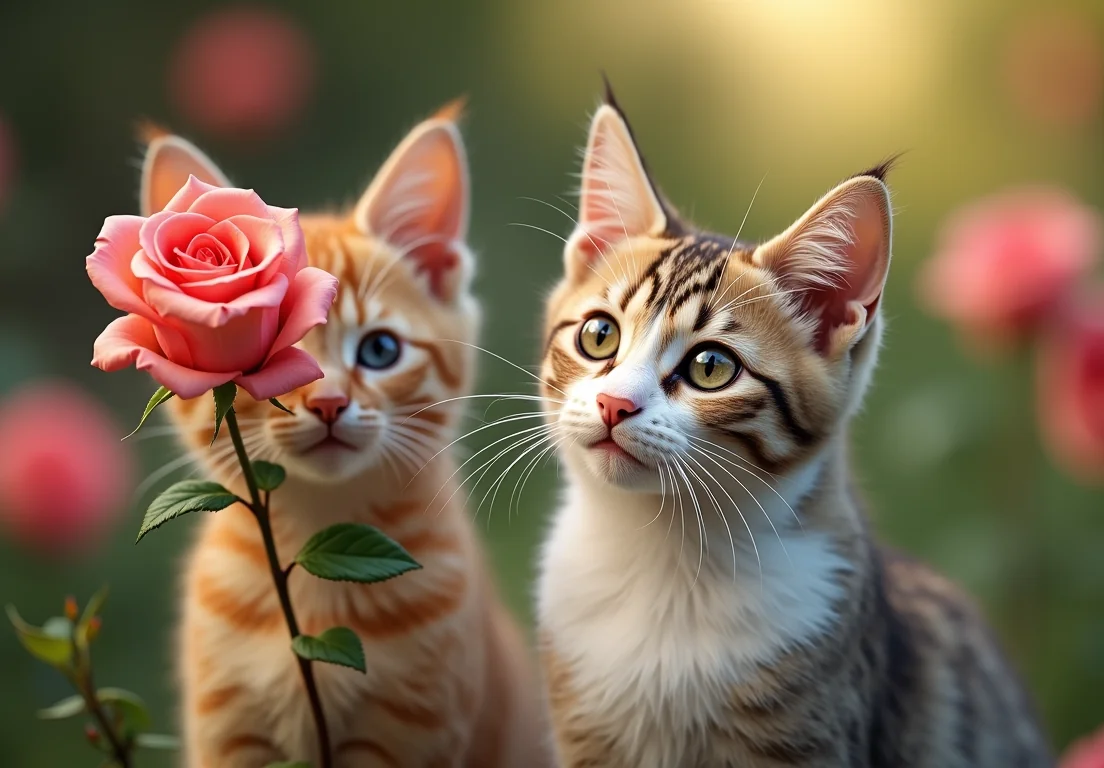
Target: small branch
<point x="280" y="580"/>
<point x="289" y="569"/>
<point x="82" y="681"/>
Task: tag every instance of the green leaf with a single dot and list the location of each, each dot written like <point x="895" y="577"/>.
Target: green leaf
<point x="91" y="610"/>
<point x="157" y="741"/>
<point x="128" y="706"/>
<point x="161" y="395"/>
<point x="224" y="401"/>
<point x="69" y="707"/>
<point x="95" y="605"/>
<point x="184" y="497"/>
<point x="44" y="646"/>
<point x="269" y="476"/>
<point x="285" y="409"/>
<point x="337" y="645"/>
<point x="354" y="552"/>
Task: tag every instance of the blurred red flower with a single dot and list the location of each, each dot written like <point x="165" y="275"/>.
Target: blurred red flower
<point x="242" y="73"/>
<point x="1085" y="753"/>
<point x="1071" y="387"/>
<point x="64" y="475"/>
<point x="7" y="161"/>
<point x="1003" y="263"/>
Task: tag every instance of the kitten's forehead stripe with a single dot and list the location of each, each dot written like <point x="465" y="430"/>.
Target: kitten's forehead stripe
<point x="689" y="267"/>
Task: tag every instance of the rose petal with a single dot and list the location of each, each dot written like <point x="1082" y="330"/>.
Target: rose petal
<point x="206" y="249"/>
<point x="130" y="339"/>
<point x="295" y="251"/>
<point x="170" y="302"/>
<point x="307" y="304"/>
<point x="288" y="369"/>
<point x="166" y="231"/>
<point x="188" y="194"/>
<point x="221" y="204"/>
<point x="109" y="266"/>
<point x="264" y="247"/>
<point x="143" y="268"/>
<point x="235" y="241"/>
<point x="175" y="346"/>
<point x="241" y="344"/>
<point x="266" y="244"/>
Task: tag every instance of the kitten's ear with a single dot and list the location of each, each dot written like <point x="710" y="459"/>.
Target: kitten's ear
<point x="419" y="203"/>
<point x="170" y="160"/>
<point x="617" y="200"/>
<point x="836" y="258"/>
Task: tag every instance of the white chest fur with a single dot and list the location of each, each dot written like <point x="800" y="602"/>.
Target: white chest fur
<point x="654" y="645"/>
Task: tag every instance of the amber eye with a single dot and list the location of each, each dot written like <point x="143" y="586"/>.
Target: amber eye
<point x="599" y="337"/>
<point x="711" y="367"/>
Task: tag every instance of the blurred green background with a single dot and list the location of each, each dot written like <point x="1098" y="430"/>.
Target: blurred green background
<point x="722" y="94"/>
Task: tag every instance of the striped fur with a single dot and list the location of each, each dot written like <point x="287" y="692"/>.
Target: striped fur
<point x="448" y="681"/>
<point x="710" y="593"/>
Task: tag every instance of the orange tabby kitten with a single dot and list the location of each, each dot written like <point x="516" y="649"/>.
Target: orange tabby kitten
<point x="448" y="680"/>
<point x="711" y="595"/>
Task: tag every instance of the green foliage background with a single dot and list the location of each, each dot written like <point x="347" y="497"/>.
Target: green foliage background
<point x="721" y="93"/>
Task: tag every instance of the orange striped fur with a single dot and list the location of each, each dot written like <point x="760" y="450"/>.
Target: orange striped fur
<point x="448" y="673"/>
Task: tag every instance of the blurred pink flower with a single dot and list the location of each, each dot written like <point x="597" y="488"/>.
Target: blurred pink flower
<point x="1003" y="263"/>
<point x="243" y="72"/>
<point x="1071" y="387"/>
<point x="7" y="162"/>
<point x="64" y="475"/>
<point x="1085" y="753"/>
<point x="1054" y="66"/>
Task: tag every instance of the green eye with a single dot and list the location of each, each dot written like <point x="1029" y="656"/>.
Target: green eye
<point x="711" y="368"/>
<point x="599" y="337"/>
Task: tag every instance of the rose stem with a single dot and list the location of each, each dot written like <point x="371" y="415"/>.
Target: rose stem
<point x="280" y="579"/>
<point x="82" y="681"/>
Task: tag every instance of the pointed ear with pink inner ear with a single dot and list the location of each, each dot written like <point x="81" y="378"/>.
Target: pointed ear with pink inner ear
<point x="617" y="201"/>
<point x="419" y="205"/>
<point x="835" y="260"/>
<point x="169" y="161"/>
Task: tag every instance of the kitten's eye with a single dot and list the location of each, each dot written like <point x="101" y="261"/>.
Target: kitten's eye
<point x="379" y="349"/>
<point x="599" y="337"/>
<point x="712" y="368"/>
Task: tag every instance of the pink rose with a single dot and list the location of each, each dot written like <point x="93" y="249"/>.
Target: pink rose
<point x="218" y="290"/>
<point x="1071" y="387"/>
<point x="1086" y="753"/>
<point x="1004" y="262"/>
<point x="64" y="474"/>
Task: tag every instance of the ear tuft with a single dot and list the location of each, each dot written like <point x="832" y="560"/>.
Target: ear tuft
<point x="452" y="112"/>
<point x="170" y="160"/>
<point x="608" y="97"/>
<point x="835" y="258"/>
<point x="882" y="169"/>
<point x="419" y="203"/>
<point x="148" y="131"/>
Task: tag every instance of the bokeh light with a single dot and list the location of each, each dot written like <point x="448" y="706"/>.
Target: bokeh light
<point x="1071" y="387"/>
<point x="64" y="474"/>
<point x="1002" y="263"/>
<point x="242" y="73"/>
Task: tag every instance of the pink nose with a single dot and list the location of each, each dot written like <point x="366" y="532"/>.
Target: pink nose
<point x="614" y="410"/>
<point x="327" y="408"/>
